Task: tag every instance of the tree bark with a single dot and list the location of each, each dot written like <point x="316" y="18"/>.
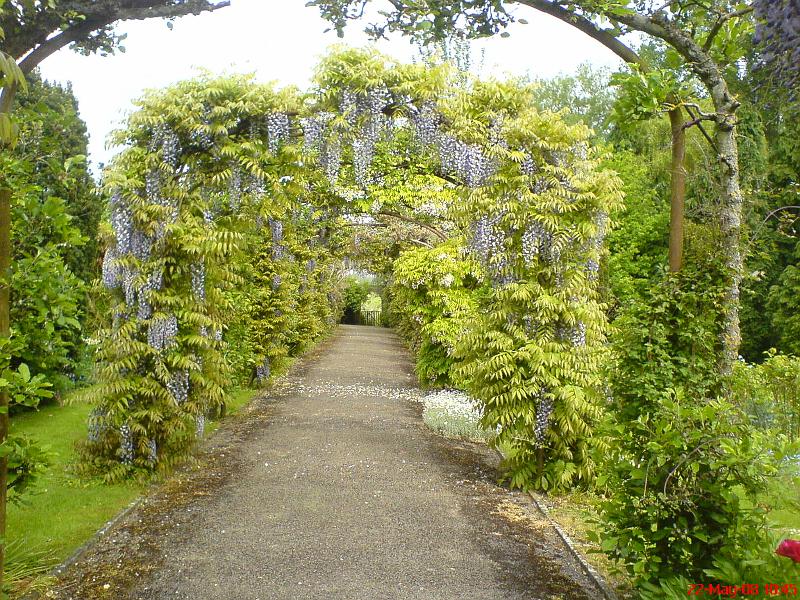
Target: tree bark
<point x="730" y="219"/>
<point x="678" y="171"/>
<point x="677" y="191"/>
<point x="730" y="228"/>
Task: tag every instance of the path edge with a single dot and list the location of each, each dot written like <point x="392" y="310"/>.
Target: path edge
<point x="590" y="571"/>
<point x="598" y="579"/>
<point x="87" y="545"/>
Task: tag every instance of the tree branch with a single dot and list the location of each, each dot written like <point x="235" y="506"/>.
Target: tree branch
<point x="194" y="7"/>
<point x="430" y="228"/>
<point x="65" y="37"/>
<point x="721" y="21"/>
<point x="605" y="37"/>
<point x="101" y="19"/>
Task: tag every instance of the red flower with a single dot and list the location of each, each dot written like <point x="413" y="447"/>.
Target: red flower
<point x="789" y="549"/>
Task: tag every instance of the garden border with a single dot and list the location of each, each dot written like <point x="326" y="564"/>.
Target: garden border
<point x="88" y="544"/>
<point x="609" y="593"/>
<point x="590" y="571"/>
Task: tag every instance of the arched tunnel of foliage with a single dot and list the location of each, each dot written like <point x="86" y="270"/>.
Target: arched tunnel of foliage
<point x="233" y="203"/>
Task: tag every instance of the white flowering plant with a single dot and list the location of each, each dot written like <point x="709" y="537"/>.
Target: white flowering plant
<point x="454" y="414"/>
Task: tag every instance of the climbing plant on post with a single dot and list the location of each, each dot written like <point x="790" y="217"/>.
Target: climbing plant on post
<point x="217" y="167"/>
<point x="537" y="208"/>
<point x="202" y="157"/>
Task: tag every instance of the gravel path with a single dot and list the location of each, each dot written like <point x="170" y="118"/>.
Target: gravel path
<point x="339" y="491"/>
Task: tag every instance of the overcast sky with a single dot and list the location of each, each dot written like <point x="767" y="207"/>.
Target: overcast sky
<point x="278" y="40"/>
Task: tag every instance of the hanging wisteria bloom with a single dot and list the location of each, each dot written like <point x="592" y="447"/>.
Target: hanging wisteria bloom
<point x="157" y="138"/>
<point x="200" y="426"/>
<point x="262" y="372"/>
<point x="154" y="281"/>
<point x="126" y="448"/>
<point x="313" y="131"/>
<point x="122" y="223"/>
<point x="199" y="281"/>
<point x="487" y="239"/>
<point x="578" y="335"/>
<point x="178" y="385"/>
<point x="201" y="139"/>
<point x="331" y="159"/>
<point x="162" y="332"/>
<point x="535" y="241"/>
<point x="112" y="273"/>
<point x="256" y="187"/>
<point x="477" y="167"/>
<point x="152" y="186"/>
<point x="544" y="409"/>
<point x="97" y="424"/>
<point x="278" y="130"/>
<point x="595" y="245"/>
<point x="235" y="188"/>
<point x="129" y="286"/>
<point x="426" y="124"/>
<point x="170" y="148"/>
<point x="347" y="106"/>
<point x="276" y="230"/>
<point x="363" y="150"/>
<point x="276" y="281"/>
<point x="141" y="245"/>
<point x="496" y="136"/>
<point x="152" y="452"/>
<point x="528" y="166"/>
<point x="145" y="309"/>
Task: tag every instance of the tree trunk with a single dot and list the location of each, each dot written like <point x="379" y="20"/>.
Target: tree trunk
<point x="677" y="191"/>
<point x="5" y="275"/>
<point x="730" y="227"/>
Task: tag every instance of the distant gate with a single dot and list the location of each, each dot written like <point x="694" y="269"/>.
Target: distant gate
<point x="371" y="317"/>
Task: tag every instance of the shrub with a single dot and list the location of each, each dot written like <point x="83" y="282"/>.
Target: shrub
<point x="434" y="303"/>
<point x="682" y="483"/>
<point x="770" y="392"/>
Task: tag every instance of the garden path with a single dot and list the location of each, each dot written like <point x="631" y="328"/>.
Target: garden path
<point x="343" y="493"/>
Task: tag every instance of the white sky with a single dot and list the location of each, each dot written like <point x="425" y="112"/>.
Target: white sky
<point x="278" y="40"/>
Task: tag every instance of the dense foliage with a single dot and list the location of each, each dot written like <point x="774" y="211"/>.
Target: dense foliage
<point x="434" y="299"/>
<point x="485" y="207"/>
<point x="207" y="174"/>
<point x="684" y="480"/>
<point x="53" y="211"/>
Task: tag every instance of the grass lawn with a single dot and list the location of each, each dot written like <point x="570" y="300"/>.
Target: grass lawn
<point x="62" y="512"/>
<point x="784" y="497"/>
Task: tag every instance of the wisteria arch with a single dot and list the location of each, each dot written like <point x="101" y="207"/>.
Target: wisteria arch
<point x="215" y="168"/>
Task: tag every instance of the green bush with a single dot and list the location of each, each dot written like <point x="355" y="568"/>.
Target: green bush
<point x="667" y="340"/>
<point x="682" y="484"/>
<point x="356" y="291"/>
<point x="783" y="302"/>
<point x="684" y="471"/>
<point x="770" y="392"/>
<point x="434" y="302"/>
